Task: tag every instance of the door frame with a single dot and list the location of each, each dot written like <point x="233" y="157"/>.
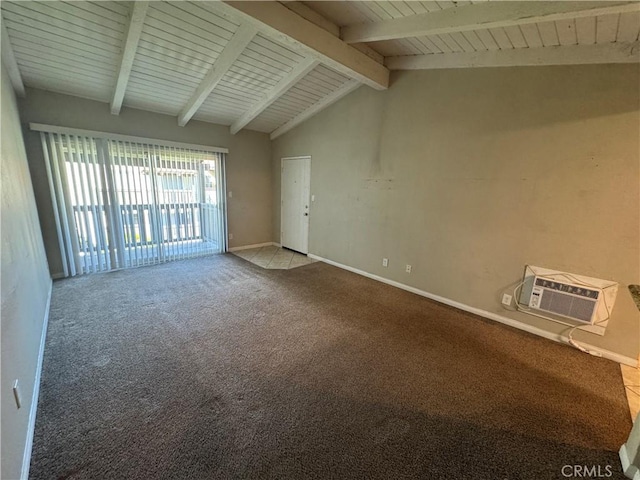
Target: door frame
<point x="298" y="157"/>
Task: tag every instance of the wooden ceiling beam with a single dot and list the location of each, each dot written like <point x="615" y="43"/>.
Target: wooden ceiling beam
<point x="559" y="55"/>
<point x="287" y="27"/>
<point x="130" y="46"/>
<point x="241" y="38"/>
<point x="481" y="16"/>
<point x="299" y="72"/>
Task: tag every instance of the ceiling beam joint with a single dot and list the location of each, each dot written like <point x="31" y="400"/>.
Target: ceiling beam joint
<point x="310" y="40"/>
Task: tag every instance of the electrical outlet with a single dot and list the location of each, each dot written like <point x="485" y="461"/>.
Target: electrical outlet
<point x="408" y="269"/>
<point x="506" y="299"/>
<point x="313" y="198"/>
<point x="385" y="262"/>
<point x="230" y="194"/>
<point x="16" y="394"/>
<point x="231" y="236"/>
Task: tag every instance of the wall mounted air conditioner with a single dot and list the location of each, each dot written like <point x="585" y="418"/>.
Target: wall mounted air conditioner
<point x="568" y="298"/>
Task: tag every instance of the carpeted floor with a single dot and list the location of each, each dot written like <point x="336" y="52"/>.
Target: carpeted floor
<point x="215" y="368"/>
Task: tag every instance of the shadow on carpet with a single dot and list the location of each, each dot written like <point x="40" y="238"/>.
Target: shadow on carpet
<point x="216" y="368"/>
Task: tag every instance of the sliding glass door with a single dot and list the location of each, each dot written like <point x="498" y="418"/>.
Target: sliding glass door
<point x="121" y="204"/>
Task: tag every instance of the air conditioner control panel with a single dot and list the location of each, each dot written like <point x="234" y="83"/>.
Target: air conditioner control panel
<point x="534" y="301"/>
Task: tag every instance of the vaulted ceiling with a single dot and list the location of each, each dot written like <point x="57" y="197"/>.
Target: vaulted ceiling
<point x="268" y="66"/>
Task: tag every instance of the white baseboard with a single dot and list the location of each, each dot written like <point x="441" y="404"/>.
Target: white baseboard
<point x="31" y="426"/>
<point x="616" y="357"/>
<point x="255" y="245"/>
<point x="630" y="471"/>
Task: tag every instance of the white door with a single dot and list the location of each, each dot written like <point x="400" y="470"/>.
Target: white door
<point x="295" y="186"/>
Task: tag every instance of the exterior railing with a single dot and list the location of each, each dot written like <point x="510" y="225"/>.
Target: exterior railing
<point x="148" y="224"/>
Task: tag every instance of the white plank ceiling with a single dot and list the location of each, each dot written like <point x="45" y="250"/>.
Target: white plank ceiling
<point x="319" y="83"/>
<point x="623" y="27"/>
<point x="260" y="67"/>
<point x="78" y="47"/>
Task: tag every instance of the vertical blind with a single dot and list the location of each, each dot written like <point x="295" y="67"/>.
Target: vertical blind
<point x="120" y="204"/>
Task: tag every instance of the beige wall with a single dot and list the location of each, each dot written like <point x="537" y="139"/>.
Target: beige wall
<point x="248" y="162"/>
<point x="470" y="174"/>
<point x="25" y="284"/>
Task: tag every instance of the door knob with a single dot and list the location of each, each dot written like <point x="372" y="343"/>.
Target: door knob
<point x="306" y="214"/>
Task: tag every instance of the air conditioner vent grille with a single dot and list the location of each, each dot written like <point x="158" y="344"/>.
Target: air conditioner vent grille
<point x="567" y="305"/>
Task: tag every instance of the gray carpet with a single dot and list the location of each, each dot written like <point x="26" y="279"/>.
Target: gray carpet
<point x="214" y="368"/>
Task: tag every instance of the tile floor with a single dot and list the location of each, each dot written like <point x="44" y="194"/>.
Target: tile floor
<point x="631" y="377"/>
<point x="274" y="257"/>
